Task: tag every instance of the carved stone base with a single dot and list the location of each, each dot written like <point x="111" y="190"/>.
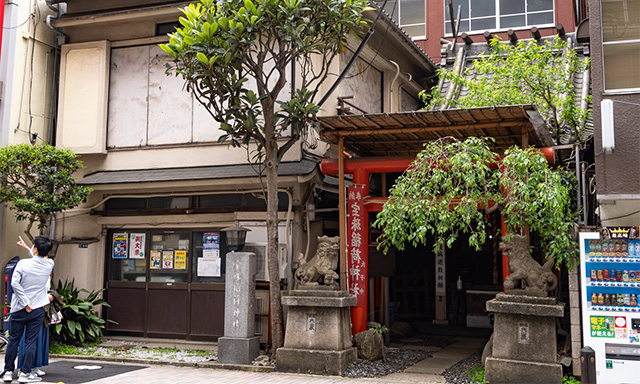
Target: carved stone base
<point x="238" y="350"/>
<point x="516" y="371"/>
<point x="524" y="340"/>
<point x="318" y="334"/>
<point x="297" y="360"/>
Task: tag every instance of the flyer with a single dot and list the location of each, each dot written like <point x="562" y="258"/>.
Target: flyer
<point x="137" y="245"/>
<point x="156" y="259"/>
<point x="180" y="259"/>
<point x="119" y="245"/>
<point x="167" y="259"/>
<point x="208" y="267"/>
<point x="211" y="244"/>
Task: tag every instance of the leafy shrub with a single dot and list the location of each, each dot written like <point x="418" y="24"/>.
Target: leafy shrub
<point x="79" y="322"/>
<point x="476" y="375"/>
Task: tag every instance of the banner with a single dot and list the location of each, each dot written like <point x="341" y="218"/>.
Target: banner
<point x="357" y="226"/>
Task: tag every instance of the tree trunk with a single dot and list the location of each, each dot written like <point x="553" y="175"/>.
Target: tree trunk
<point x="271" y="163"/>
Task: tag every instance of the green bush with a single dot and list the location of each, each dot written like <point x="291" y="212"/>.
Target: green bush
<point x="476" y="375"/>
<point x="79" y="322"/>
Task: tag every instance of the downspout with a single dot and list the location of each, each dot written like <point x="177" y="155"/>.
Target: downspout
<point x="395" y="77"/>
<point x="353" y="58"/>
<point x="60" y="39"/>
<point x="7" y="51"/>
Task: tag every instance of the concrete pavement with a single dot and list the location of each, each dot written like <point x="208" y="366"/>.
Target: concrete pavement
<point x="166" y="374"/>
<point x="427" y="371"/>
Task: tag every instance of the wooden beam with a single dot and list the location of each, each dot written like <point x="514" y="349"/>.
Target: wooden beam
<point x="342" y="212"/>
<point x="390" y="131"/>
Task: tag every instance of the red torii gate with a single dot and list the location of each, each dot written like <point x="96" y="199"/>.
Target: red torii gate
<point x="357" y="255"/>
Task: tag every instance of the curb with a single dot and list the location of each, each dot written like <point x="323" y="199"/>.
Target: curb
<point x="202" y="364"/>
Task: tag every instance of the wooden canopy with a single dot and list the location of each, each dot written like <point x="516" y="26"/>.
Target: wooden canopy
<point x="404" y="133"/>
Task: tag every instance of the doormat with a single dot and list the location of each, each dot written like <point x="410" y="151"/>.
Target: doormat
<point x="78" y="372"/>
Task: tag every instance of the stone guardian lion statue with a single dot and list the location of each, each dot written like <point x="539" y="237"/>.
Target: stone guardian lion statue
<point x="320" y="271"/>
<point x="539" y="280"/>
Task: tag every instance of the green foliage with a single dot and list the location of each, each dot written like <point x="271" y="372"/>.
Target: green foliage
<point x="380" y="329"/>
<point x="37" y="181"/>
<point x="79" y="323"/>
<point x="235" y="57"/>
<point x="452" y="185"/>
<point x="570" y="380"/>
<point x="526" y="73"/>
<point x="476" y="374"/>
<point x="221" y="44"/>
<point x="64" y="349"/>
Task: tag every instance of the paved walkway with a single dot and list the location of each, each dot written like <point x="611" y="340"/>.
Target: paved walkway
<point x="427" y="371"/>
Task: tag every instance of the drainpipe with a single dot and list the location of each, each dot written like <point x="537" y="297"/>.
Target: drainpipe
<point x="395" y="77"/>
<point x="60" y="39"/>
<point x="353" y="58"/>
<point x="7" y="49"/>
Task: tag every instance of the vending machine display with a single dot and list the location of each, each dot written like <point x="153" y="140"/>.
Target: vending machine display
<point x="610" y="269"/>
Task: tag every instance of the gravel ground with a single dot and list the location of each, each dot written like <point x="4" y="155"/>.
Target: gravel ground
<point x="142" y="352"/>
<point x="395" y="360"/>
<point x="457" y="374"/>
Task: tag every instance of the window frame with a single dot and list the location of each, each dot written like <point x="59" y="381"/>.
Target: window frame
<point x="613" y="91"/>
<point x="395" y="16"/>
<point x="497" y="17"/>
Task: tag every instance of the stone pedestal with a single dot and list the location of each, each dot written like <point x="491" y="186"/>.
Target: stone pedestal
<point x="239" y="345"/>
<point x="524" y="340"/>
<point x="318" y="334"/>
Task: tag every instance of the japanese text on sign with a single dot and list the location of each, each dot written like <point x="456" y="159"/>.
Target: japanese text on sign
<point x="356" y="233"/>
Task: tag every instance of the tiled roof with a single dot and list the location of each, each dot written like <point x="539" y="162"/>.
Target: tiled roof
<point x="299" y="168"/>
<point x="470" y="52"/>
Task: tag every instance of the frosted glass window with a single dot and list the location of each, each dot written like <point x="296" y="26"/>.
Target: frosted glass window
<point x="621" y="44"/>
<point x="481" y="8"/>
<point x="477" y="16"/>
<point x="509" y="7"/>
<point x="410" y="15"/>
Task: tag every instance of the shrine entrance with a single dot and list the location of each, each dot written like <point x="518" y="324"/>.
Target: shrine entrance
<point x="388" y="143"/>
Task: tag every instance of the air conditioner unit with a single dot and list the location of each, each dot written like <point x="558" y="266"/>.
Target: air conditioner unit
<point x="260" y="249"/>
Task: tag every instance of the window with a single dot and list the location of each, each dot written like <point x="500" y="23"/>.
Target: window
<point x="409" y="15"/>
<point x="167" y="256"/>
<point x="486" y="15"/>
<point x="621" y="44"/>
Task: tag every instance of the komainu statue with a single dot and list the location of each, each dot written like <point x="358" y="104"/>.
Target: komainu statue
<point x="320" y="271"/>
<point x="539" y="280"/>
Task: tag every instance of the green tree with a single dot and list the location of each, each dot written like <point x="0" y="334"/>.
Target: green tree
<point x="221" y="44"/>
<point x="37" y="182"/>
<point x="452" y="185"/>
<point x="526" y="73"/>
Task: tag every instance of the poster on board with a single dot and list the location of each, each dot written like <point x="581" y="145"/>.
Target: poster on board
<point x="119" y="245"/>
<point x="208" y="267"/>
<point x="180" y="259"/>
<point x="156" y="259"/>
<point x="167" y="259"/>
<point x="136" y="245"/>
<point x="211" y="244"/>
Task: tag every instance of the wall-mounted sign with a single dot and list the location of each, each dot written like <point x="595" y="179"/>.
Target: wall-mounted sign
<point x="167" y="259"/>
<point x="356" y="243"/>
<point x="180" y="259"/>
<point x="155" y="259"/>
<point x="137" y="245"/>
<point x="120" y="246"/>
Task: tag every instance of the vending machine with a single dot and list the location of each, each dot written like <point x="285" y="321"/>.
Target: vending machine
<point x="610" y="276"/>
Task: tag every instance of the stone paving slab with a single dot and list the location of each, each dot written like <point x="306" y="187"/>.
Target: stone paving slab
<point x="420" y="348"/>
<point x="415" y="378"/>
<point x="173" y="374"/>
<point x="460" y="353"/>
<point x="469" y="342"/>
